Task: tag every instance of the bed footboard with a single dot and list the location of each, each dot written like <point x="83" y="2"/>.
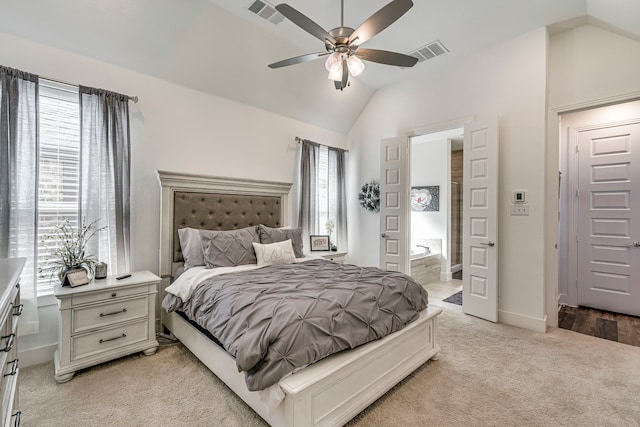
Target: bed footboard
<point x="337" y="388"/>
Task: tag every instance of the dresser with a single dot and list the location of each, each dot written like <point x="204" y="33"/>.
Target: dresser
<point x="10" y="309"/>
<point x="104" y="320"/>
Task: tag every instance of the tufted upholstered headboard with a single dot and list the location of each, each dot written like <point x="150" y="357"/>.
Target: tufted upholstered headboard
<point x="214" y="203"/>
<point x="214" y="211"/>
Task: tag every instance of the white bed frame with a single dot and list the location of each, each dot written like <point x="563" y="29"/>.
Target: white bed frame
<point x="327" y="393"/>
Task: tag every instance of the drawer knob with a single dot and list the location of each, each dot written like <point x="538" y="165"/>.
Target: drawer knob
<point x="113" y="339"/>
<point x="124" y="310"/>
<point x="113" y="295"/>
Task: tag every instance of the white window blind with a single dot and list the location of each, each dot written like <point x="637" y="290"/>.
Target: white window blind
<point x="59" y="165"/>
<point x="327" y="190"/>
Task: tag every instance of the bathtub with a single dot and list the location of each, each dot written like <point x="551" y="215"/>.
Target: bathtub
<point x="425" y="267"/>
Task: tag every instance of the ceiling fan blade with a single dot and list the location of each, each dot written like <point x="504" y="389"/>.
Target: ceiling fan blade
<point x="379" y="21"/>
<point x="298" y="59"/>
<point x="305" y="23"/>
<point x="386" y="57"/>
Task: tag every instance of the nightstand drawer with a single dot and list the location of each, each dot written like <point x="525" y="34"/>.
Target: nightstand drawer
<point x="92" y="317"/>
<point x="108" y="339"/>
<point x="108" y="294"/>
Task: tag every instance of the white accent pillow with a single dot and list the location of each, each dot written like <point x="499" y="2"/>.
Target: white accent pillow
<point x="191" y="247"/>
<point x="274" y="253"/>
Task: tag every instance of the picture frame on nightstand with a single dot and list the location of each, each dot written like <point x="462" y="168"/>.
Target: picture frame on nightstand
<point x="319" y="243"/>
<point x="75" y="278"/>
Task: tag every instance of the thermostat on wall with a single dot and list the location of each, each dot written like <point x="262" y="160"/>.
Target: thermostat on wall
<point x="519" y="196"/>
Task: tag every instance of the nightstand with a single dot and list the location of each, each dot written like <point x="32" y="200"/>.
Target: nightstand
<point x="336" y="256"/>
<point x="104" y="320"/>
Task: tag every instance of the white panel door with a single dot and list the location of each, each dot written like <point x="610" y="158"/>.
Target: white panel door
<point x="608" y="234"/>
<point x="394" y="204"/>
<point x="480" y="227"/>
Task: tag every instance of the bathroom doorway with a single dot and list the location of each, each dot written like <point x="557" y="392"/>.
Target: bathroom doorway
<point x="436" y="206"/>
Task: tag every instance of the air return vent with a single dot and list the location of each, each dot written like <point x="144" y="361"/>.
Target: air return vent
<point x="266" y="11"/>
<point x="429" y="51"/>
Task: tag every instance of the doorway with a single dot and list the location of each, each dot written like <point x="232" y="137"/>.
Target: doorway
<point x="480" y="212"/>
<point x="435" y="243"/>
<point x="599" y="253"/>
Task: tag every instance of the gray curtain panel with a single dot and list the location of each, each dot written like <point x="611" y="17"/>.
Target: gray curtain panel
<point x="308" y="209"/>
<point x="105" y="174"/>
<point x="337" y="156"/>
<point x="19" y="182"/>
<point x="309" y="202"/>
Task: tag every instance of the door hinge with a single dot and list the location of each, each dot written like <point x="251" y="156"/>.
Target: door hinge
<point x="576" y="283"/>
<point x="577" y="193"/>
<point x="577" y="148"/>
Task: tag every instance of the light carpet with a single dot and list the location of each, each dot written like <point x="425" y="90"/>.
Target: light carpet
<point x="487" y="375"/>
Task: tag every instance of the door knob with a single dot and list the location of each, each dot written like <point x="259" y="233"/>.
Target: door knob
<point x="384" y="235"/>
<point x="489" y="243"/>
<point x="635" y="244"/>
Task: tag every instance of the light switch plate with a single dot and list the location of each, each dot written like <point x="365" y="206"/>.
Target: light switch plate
<point x="519" y="210"/>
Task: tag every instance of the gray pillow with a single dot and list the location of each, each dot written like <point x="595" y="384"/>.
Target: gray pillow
<point x="229" y="248"/>
<point x="274" y="235"/>
<point x="191" y="247"/>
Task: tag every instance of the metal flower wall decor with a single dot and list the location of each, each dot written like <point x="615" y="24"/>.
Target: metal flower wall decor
<point x="370" y="196"/>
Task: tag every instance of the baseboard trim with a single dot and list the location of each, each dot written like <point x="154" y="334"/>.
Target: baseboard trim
<point x="522" y="321"/>
<point x="36" y="356"/>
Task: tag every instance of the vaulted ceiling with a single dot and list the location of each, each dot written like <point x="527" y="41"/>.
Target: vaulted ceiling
<point x="220" y="47"/>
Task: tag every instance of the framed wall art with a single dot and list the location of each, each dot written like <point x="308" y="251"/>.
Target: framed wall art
<point x="425" y="198"/>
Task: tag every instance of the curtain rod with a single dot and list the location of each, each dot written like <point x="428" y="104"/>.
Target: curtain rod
<point x="299" y="140"/>
<point x="132" y="98"/>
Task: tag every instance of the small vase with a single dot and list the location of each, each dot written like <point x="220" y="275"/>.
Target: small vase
<point x="63" y="272"/>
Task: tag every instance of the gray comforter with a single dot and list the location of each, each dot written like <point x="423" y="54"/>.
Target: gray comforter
<point x="282" y="317"/>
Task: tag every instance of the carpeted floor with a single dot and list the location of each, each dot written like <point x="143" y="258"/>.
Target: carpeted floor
<point x="487" y="375"/>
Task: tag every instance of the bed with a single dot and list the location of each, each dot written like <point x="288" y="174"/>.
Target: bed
<point x="327" y="393"/>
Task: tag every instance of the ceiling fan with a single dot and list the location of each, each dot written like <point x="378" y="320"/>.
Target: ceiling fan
<point x="342" y="44"/>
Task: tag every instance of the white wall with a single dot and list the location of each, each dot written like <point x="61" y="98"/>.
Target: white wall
<point x="172" y="128"/>
<point x="508" y="81"/>
<point x="431" y="165"/>
<point x="588" y="66"/>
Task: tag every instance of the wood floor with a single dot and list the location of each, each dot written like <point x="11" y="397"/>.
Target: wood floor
<point x="601" y="324"/>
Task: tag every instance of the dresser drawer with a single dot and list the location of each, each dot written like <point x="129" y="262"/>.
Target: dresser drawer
<point x="108" y="294"/>
<point x="9" y="389"/>
<point x="95" y="316"/>
<point x="109" y="339"/>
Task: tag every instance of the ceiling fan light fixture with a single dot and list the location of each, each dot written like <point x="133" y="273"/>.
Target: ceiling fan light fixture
<point x="341" y="43"/>
<point x="355" y="65"/>
<point x="336" y="74"/>
<point x="334" y="62"/>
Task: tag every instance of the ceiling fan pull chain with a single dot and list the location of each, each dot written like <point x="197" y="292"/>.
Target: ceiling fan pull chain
<point x="342" y="13"/>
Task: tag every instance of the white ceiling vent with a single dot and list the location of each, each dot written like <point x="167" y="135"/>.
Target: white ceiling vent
<point x="429" y="51"/>
<point x="266" y="11"/>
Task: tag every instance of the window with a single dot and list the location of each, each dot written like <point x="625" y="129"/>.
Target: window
<point x="59" y="165"/>
<point x="326" y="191"/>
<point x="322" y="192"/>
